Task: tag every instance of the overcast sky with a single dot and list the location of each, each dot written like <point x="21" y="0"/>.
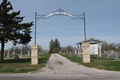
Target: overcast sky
<point x="102" y="20"/>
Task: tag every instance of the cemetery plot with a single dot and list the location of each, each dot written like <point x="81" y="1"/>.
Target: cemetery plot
<point x="101" y="63"/>
<point x="110" y="54"/>
<point x="11" y="65"/>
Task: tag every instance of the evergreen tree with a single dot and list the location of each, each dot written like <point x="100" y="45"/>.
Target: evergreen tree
<point x="11" y="28"/>
<point x="54" y="46"/>
<point x="57" y="46"/>
<point x="57" y="43"/>
<point x="51" y="46"/>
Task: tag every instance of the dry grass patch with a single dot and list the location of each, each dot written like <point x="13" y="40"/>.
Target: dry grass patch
<point x="59" y="62"/>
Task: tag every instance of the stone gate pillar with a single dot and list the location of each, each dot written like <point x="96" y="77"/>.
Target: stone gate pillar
<point x="86" y="52"/>
<point x="34" y="54"/>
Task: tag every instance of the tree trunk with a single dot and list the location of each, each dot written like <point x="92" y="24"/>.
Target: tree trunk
<point x="2" y="51"/>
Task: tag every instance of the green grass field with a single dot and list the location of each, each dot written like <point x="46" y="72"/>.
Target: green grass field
<point x="103" y="63"/>
<point x="22" y="65"/>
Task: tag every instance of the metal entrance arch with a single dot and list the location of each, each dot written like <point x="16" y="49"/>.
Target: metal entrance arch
<point x="60" y="12"/>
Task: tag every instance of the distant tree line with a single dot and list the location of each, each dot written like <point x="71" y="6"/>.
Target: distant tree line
<point x="68" y="49"/>
<point x="113" y="46"/>
<point x="55" y="47"/>
<point x="24" y="49"/>
<point x="19" y="49"/>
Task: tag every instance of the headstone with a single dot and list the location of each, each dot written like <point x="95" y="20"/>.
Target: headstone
<point x="21" y="54"/>
<point x="78" y="54"/>
<point x="114" y="56"/>
<point x="16" y="56"/>
<point x="67" y="51"/>
<point x="105" y="52"/>
<point x="8" y="54"/>
<point x="70" y="51"/>
<point x="42" y="52"/>
<point x="86" y="52"/>
<point x="59" y="51"/>
<point x="28" y="53"/>
<point x="34" y="54"/>
<point x="13" y="53"/>
<point x="39" y="53"/>
<point x="75" y="52"/>
<point x="111" y="52"/>
<point x="100" y="51"/>
<point x="106" y="55"/>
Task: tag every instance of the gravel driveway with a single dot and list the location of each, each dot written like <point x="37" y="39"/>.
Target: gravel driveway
<point x="58" y="64"/>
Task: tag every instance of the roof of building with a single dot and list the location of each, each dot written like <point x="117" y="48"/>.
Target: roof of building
<point x="92" y="41"/>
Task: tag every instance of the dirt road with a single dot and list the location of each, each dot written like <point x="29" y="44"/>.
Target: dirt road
<point x="58" y="64"/>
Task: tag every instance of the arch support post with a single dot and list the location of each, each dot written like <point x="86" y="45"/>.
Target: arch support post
<point x="84" y="27"/>
<point x="35" y="26"/>
<point x="86" y="52"/>
<point x="34" y="54"/>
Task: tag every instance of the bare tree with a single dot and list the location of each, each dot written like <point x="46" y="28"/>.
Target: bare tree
<point x="68" y="48"/>
<point x="40" y="49"/>
<point x="63" y="49"/>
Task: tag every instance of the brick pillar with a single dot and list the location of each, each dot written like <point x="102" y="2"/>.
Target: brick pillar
<point x="86" y="52"/>
<point x="34" y="54"/>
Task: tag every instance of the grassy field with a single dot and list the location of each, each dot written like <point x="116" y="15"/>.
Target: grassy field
<point x="22" y="65"/>
<point x="103" y="63"/>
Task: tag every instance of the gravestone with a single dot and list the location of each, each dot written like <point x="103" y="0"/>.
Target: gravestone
<point x="71" y="54"/>
<point x="111" y="52"/>
<point x="70" y="51"/>
<point x="16" y="56"/>
<point x="28" y="53"/>
<point x="105" y="52"/>
<point x="106" y="55"/>
<point x="39" y="53"/>
<point x="67" y="51"/>
<point x="21" y="54"/>
<point x="78" y="54"/>
<point x="8" y="54"/>
<point x="13" y="53"/>
<point x="60" y="52"/>
<point x="75" y="52"/>
<point x="114" y="56"/>
<point x="86" y="52"/>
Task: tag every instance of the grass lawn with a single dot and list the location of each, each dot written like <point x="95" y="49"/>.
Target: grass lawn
<point x="22" y="65"/>
<point x="103" y="63"/>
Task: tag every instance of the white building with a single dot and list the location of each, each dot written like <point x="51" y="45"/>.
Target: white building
<point x="95" y="46"/>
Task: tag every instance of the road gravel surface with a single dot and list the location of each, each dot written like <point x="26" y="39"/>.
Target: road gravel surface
<point x="60" y="68"/>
